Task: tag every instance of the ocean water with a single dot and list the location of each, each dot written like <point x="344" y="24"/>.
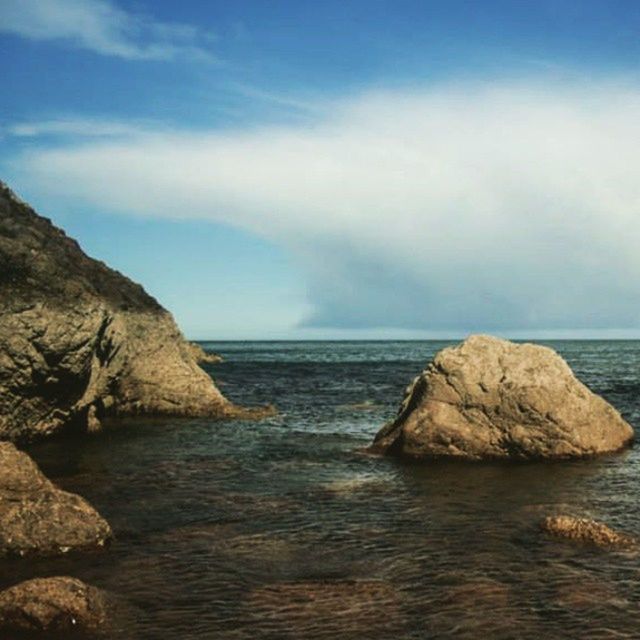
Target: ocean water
<point x="284" y="529"/>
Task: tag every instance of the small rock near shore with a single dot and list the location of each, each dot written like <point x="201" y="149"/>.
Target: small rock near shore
<point x="52" y="605"/>
<point x="40" y="519"/>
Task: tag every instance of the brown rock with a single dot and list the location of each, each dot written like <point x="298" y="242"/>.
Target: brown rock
<point x="52" y="605"/>
<point x="201" y="356"/>
<point x="80" y="341"/>
<point x="39" y="518"/>
<point x="586" y="531"/>
<point x="492" y="399"/>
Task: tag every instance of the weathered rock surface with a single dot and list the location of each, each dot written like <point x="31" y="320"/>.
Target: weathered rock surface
<point x="58" y="605"/>
<point x="38" y="518"/>
<point x="492" y="399"/>
<point x="79" y="341"/>
<point x="586" y="531"/>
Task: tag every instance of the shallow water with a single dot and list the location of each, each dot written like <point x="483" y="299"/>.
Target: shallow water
<point x="283" y="529"/>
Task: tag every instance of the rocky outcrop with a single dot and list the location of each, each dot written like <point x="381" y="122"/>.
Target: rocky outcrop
<point x="203" y="357"/>
<point x="585" y="530"/>
<point x="80" y="342"/>
<point x="59" y="605"/>
<point x="493" y="399"/>
<point x="37" y="517"/>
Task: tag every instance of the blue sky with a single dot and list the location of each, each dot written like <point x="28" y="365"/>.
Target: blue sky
<point x="341" y="169"/>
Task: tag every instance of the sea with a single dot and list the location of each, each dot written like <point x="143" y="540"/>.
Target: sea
<point x="285" y="528"/>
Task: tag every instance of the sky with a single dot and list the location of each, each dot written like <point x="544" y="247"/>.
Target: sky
<point x="340" y="169"/>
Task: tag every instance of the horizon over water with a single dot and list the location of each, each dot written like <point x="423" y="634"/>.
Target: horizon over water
<point x="283" y="529"/>
<point x="207" y="342"/>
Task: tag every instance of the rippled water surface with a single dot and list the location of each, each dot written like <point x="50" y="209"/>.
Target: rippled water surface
<point x="283" y="529"/>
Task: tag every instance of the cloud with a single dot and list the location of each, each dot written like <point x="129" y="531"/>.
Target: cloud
<point x="283" y="100"/>
<point x="76" y="127"/>
<point x="101" y="26"/>
<point x="466" y="207"/>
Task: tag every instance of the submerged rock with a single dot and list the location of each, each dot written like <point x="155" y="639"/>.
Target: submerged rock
<point x="586" y="531"/>
<point x="52" y="605"/>
<point x="340" y="608"/>
<point x="39" y="518"/>
<point x="588" y="595"/>
<point x="492" y="399"/>
<point x="476" y="607"/>
<point x="483" y="592"/>
<point x="357" y="483"/>
<point x="80" y="341"/>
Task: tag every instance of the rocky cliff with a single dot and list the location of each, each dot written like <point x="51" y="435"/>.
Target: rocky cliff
<point x="80" y="342"/>
<point x="492" y="399"/>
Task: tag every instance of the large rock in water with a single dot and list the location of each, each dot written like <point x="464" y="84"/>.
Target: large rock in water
<point x="493" y="399"/>
<point x="37" y="517"/>
<point x="79" y="341"/>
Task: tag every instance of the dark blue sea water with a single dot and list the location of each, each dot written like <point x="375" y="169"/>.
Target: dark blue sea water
<point x="284" y="529"/>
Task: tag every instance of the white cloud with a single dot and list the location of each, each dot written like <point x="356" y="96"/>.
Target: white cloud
<point x="505" y="206"/>
<point x="77" y="127"/>
<point x="103" y="27"/>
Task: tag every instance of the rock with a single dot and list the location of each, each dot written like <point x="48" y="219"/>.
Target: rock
<point x="52" y="605"/>
<point x="586" y="531"/>
<point x="39" y="518"/>
<point x="80" y="342"/>
<point x="492" y="399"/>
<point x="201" y="356"/>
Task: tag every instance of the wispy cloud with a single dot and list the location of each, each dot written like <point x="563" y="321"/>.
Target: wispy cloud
<point x="103" y="27"/>
<point x="75" y="127"/>
<point x="292" y="103"/>
<point x="510" y="206"/>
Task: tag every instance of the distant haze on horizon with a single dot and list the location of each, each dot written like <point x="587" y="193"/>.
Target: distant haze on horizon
<point x="347" y="170"/>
